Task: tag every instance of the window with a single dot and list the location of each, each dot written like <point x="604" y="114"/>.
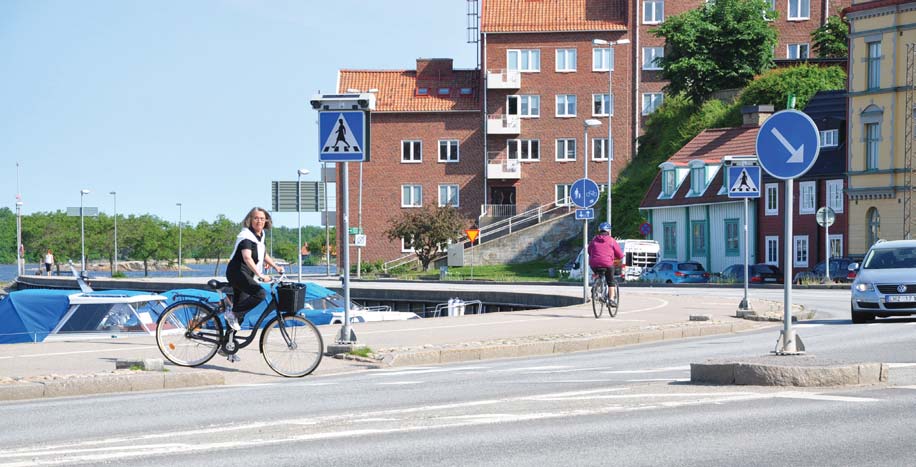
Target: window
<point x="466" y="91"/>
<point x="872" y="138"/>
<point x="566" y="105"/>
<point x="411" y="196"/>
<point x="697" y="180"/>
<point x="651" y="101"/>
<point x="404" y="245"/>
<point x="525" y="149"/>
<point x="799" y="9"/>
<point x="801" y="251"/>
<point x="670" y="239"/>
<point x="874" y="65"/>
<point x="444" y="91"/>
<point x="772" y="245"/>
<point x="732" y="242"/>
<point x="836" y="247"/>
<point x="829" y="138"/>
<point x="653" y="11"/>
<point x="807" y="194"/>
<point x="523" y="60"/>
<point x="411" y="151"/>
<point x="562" y="192"/>
<point x="422" y="91"/>
<point x="603" y="59"/>
<point x="698" y="238"/>
<point x="772" y="7"/>
<point x="835" y="195"/>
<point x="566" y="60"/>
<point x="651" y="56"/>
<point x="772" y="199"/>
<point x="448" y="150"/>
<point x="874" y="226"/>
<point x="668" y="182"/>
<point x="797" y="51"/>
<point x="530" y="106"/>
<point x="448" y="195"/>
<point x="566" y="149"/>
<point x="602" y="105"/>
<point x="599" y="149"/>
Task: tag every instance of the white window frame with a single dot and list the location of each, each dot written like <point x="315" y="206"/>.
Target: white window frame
<point x="669" y="182"/>
<point x="452" y="154"/>
<point x="563" y="148"/>
<point x="835" y="239"/>
<point x="807" y="197"/>
<point x="568" y="102"/>
<point x="798" y="51"/>
<point x="771" y="240"/>
<point x="566" y="60"/>
<point x="606" y="103"/>
<point x="873" y="61"/>
<point x="872" y="145"/>
<point x="653" y="11"/>
<point x="529" y="106"/>
<point x="800" y="11"/>
<point x="561" y="193"/>
<point x="772" y="4"/>
<point x="771" y="193"/>
<point x="602" y="58"/>
<point x="697" y="184"/>
<point x="414" y="145"/>
<point x="829" y="138"/>
<point x="835" y="197"/>
<point x="527" y="144"/>
<point x="650" y="56"/>
<point x="449" y="189"/>
<point x="599" y="149"/>
<point x="531" y="56"/>
<point x="404" y="248"/>
<point x="408" y="193"/>
<point x="801" y="251"/>
<point x="651" y="101"/>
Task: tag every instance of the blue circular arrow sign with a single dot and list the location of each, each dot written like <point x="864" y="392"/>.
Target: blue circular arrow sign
<point x="788" y="144"/>
<point x="584" y="193"/>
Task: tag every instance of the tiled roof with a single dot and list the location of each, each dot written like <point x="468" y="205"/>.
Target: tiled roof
<point x="714" y="144"/>
<point x="397" y="89"/>
<point x="872" y="5"/>
<point x="553" y="15"/>
<point x="711" y="195"/>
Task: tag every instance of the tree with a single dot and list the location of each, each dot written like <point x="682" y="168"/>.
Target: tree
<point x="720" y="45"/>
<point x="215" y="240"/>
<point x="831" y="40"/>
<point x="426" y="230"/>
<point x="145" y="238"/>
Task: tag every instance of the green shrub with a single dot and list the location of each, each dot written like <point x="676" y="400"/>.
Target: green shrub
<point x="804" y="81"/>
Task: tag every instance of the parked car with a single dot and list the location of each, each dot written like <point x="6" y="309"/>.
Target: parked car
<point x="885" y="283"/>
<point x="839" y="272"/>
<point x="676" y="272"/>
<point x="757" y="274"/>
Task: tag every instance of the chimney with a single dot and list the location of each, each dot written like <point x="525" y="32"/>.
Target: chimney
<point x="434" y="68"/>
<point x="755" y="115"/>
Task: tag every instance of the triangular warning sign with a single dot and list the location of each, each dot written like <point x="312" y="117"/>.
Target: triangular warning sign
<point x="744" y="183"/>
<point x="341" y="139"/>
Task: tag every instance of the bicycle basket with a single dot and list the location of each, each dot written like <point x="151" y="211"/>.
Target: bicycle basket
<point x="291" y="297"/>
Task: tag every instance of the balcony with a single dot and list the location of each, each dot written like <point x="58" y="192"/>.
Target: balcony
<point x="504" y="125"/>
<point x="504" y="79"/>
<point x="500" y="167"/>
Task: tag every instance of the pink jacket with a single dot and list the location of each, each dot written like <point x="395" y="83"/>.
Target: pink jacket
<point x="603" y="250"/>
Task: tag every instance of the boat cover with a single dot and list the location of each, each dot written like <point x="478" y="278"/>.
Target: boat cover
<point x="30" y="315"/>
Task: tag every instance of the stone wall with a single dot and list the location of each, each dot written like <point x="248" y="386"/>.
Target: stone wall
<point x="528" y="244"/>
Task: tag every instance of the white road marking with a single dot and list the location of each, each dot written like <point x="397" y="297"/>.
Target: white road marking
<point x="530" y="368"/>
<point x="652" y="380"/>
<point x="900" y="365"/>
<point x="77" y="352"/>
<point x="822" y="397"/>
<point x="399" y="383"/>
<point x="650" y="370"/>
<point x="423" y="370"/>
<point x="812" y="325"/>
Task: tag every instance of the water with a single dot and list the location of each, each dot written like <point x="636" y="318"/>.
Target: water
<point x="8" y="271"/>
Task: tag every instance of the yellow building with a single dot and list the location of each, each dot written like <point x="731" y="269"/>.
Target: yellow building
<point x="882" y="65"/>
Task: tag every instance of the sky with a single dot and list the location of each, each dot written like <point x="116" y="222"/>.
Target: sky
<point x="202" y="103"/>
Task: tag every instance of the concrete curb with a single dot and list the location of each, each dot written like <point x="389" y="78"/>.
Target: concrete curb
<point x="797" y="371"/>
<point x="107" y="383"/>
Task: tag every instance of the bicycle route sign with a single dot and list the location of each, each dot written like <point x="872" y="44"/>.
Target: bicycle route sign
<point x="788" y="144"/>
<point x="584" y="193"/>
<point x="342" y="136"/>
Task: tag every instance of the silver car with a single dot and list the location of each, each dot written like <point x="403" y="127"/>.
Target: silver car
<point x="885" y="283"/>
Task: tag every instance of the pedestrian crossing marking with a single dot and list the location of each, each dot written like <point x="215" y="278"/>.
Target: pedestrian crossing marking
<point x="341" y="138"/>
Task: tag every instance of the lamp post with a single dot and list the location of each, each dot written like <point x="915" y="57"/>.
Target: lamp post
<point x="114" y="269"/>
<point x="610" y="112"/>
<point x="20" y="259"/>
<point x="179" y="238"/>
<point x="300" y="173"/>
<point x="83" y="192"/>
<point x="584" y="265"/>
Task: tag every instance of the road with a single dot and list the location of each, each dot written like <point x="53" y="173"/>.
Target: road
<point x="624" y="406"/>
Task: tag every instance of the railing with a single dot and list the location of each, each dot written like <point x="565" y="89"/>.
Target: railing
<point x="497" y="210"/>
<point x="499" y="166"/>
<point x="455" y="308"/>
<point x="504" y="125"/>
<point x="403" y="260"/>
<point x="504" y="79"/>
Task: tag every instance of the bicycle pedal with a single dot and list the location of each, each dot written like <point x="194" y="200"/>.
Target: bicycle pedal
<point x="233" y="358"/>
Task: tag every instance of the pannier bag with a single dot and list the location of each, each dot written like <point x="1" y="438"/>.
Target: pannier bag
<point x="291" y="296"/>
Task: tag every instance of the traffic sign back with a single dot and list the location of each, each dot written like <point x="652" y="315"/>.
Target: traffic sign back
<point x="584" y="193"/>
<point x="342" y="136"/>
<point x="788" y="144"/>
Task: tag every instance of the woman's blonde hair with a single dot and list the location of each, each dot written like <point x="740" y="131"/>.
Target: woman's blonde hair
<point x="268" y="223"/>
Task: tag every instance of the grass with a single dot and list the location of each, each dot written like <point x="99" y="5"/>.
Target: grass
<point x="531" y="271"/>
<point x="361" y="352"/>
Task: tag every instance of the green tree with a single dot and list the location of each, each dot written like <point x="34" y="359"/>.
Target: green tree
<point x="146" y="238"/>
<point x="803" y="81"/>
<point x="720" y="45"/>
<point x="832" y="39"/>
<point x="216" y="239"/>
<point x="426" y="230"/>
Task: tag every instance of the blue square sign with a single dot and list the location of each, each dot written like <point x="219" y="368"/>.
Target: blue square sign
<point x="585" y="214"/>
<point x="743" y="182"/>
<point x="342" y="136"/>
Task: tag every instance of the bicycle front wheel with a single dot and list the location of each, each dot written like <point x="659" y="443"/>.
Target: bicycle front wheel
<point x="188" y="334"/>
<point x="615" y="305"/>
<point x="292" y="347"/>
<point x="598" y="298"/>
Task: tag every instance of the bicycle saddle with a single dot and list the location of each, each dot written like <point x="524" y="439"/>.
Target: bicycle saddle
<point x="217" y="285"/>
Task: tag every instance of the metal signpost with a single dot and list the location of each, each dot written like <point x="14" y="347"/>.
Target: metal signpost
<point x="788" y="144"/>
<point x="825" y="218"/>
<point x="472" y="234"/>
<point x="584" y="194"/>
<point x="743" y="182"/>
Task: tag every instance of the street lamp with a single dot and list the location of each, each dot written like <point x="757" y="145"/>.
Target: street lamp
<point x="179" y="238"/>
<point x="584" y="266"/>
<point x="114" y="270"/>
<point x="83" y="192"/>
<point x="300" y="173"/>
<point x="610" y="112"/>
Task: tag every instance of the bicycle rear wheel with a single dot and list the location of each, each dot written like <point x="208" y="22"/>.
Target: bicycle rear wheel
<point x="296" y="356"/>
<point x="188" y="334"/>
<point x="598" y="297"/>
<point x="612" y="307"/>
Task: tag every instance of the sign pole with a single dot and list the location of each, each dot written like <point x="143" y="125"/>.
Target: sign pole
<point x="743" y="304"/>
<point x="347" y="336"/>
<point x="787" y="344"/>
<point x="827" y="278"/>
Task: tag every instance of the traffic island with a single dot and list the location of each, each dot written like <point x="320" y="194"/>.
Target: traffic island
<point x="788" y="370"/>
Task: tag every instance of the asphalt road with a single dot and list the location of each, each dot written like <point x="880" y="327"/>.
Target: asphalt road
<point x="623" y="406"/>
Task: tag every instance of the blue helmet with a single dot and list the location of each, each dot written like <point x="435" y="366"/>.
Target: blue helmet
<point x="604" y="227"/>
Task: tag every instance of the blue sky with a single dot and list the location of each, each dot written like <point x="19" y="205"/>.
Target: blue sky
<point x="199" y="102"/>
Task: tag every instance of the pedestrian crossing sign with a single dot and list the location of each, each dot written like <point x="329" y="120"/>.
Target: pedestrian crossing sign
<point x="743" y="182"/>
<point x="342" y="136"/>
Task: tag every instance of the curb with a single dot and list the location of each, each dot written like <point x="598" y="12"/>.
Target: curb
<point x="107" y="383"/>
<point x="790" y="370"/>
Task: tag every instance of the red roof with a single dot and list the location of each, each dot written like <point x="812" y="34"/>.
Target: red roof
<point x="399" y="90"/>
<point x="553" y="15"/>
<point x="872" y="5"/>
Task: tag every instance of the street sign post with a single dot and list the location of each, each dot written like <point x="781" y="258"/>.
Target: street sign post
<point x="825" y="218"/>
<point x="584" y="193"/>
<point x="645" y="229"/>
<point x="743" y="182"/>
<point x="788" y="144"/>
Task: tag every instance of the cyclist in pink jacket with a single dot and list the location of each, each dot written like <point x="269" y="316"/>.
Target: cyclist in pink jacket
<point x="603" y="254"/>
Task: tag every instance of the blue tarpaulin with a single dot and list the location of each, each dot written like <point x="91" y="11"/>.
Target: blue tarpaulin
<point x="30" y="315"/>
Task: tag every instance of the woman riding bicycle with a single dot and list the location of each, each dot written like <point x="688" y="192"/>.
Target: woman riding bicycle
<point x="247" y="264"/>
<point x="604" y="253"/>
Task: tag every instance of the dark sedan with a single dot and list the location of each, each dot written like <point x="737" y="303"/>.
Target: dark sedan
<point x="839" y="272"/>
<point x="757" y="274"/>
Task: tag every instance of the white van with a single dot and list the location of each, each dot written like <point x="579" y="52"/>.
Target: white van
<point x="639" y="255"/>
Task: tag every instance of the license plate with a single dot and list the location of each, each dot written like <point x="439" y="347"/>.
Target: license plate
<point x="901" y="298"/>
<point x="770" y="279"/>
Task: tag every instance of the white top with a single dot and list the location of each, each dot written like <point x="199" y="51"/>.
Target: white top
<point x="49" y="258"/>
